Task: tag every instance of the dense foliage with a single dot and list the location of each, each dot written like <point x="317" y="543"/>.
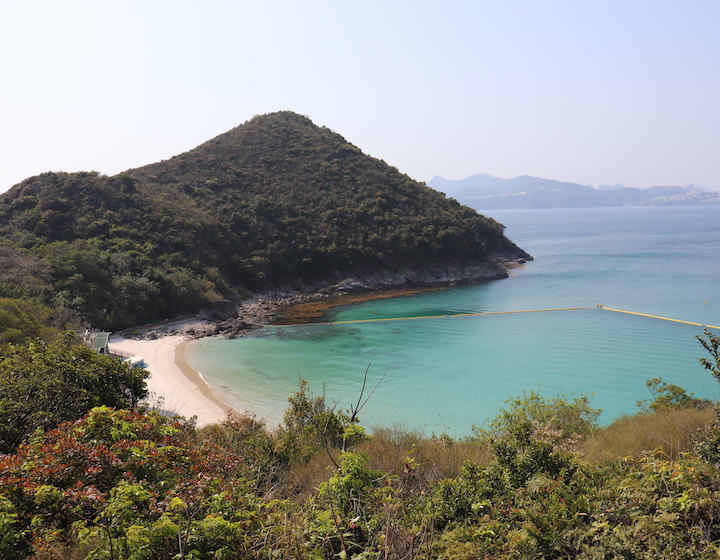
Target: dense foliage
<point x="275" y="201"/>
<point x="44" y="384"/>
<point x="23" y="321"/>
<point x="135" y="485"/>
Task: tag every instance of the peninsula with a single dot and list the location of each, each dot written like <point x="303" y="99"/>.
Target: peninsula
<point x="277" y="205"/>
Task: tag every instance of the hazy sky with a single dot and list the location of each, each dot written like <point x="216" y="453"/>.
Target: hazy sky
<point x="594" y="92"/>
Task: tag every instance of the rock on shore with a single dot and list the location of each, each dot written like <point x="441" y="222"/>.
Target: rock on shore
<point x="233" y="318"/>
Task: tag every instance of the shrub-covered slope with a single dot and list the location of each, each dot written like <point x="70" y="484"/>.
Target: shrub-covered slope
<point x="272" y="202"/>
<point x="542" y="480"/>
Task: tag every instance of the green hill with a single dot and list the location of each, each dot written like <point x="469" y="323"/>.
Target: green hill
<point x="274" y="202"/>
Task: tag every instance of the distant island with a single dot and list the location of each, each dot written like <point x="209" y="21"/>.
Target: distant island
<point x="485" y="192"/>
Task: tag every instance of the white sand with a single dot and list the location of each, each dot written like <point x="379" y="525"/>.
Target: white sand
<point x="173" y="386"/>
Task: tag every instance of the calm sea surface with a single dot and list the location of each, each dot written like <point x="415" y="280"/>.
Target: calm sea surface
<point x="443" y="374"/>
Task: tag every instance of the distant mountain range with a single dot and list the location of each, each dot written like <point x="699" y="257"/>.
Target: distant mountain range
<point x="485" y="192"/>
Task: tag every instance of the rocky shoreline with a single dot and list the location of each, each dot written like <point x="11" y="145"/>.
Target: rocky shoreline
<point x="234" y="318"/>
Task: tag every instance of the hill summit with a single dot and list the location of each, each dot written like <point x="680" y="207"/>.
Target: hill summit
<point x="275" y="202"/>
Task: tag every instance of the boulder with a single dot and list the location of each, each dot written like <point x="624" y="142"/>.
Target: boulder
<point x="225" y="309"/>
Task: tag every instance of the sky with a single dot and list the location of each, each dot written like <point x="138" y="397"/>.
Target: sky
<point x="592" y="92"/>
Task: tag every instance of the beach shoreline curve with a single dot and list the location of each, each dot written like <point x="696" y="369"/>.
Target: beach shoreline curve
<point x="174" y="387"/>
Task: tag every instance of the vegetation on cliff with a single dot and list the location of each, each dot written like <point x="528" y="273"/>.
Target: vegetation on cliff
<point x="276" y="201"/>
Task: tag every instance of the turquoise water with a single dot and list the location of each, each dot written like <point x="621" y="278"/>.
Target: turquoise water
<point x="445" y="373"/>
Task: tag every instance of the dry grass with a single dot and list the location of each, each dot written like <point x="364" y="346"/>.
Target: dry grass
<point x="303" y="479"/>
<point x="417" y="459"/>
<point x="670" y="430"/>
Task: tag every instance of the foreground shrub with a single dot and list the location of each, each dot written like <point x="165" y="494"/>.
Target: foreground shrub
<point x="646" y="509"/>
<point x="43" y="384"/>
<point x="669" y="395"/>
<point x="248" y="437"/>
<point x="422" y="460"/>
<point x="121" y="484"/>
<point x="125" y="484"/>
<point x="572" y="418"/>
<point x="310" y="425"/>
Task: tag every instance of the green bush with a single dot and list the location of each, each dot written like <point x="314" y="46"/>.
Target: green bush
<point x="22" y="322"/>
<point x="44" y="384"/>
<point x="310" y="425"/>
<point x="571" y="418"/>
<point x="127" y="484"/>
<point x="670" y="396"/>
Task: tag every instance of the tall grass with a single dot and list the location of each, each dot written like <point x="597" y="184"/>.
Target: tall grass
<point x="391" y="447"/>
<point x="397" y="450"/>
<point x="670" y="430"/>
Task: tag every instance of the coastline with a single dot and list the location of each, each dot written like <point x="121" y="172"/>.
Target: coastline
<point x="305" y="303"/>
<point x="174" y="388"/>
<point x="177" y="389"/>
<point x="311" y="311"/>
<point x="196" y="377"/>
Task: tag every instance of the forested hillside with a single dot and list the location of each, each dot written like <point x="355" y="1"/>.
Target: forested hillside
<point x="275" y="201"/>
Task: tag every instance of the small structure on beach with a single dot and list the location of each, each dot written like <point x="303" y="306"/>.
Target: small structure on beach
<point x="135" y="361"/>
<point x="98" y="341"/>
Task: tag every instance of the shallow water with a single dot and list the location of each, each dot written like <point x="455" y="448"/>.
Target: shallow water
<point x="444" y="374"/>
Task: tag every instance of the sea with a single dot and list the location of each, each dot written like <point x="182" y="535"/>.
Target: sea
<point x="607" y="303"/>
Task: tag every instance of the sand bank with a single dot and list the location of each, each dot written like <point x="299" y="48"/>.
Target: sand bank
<point x="173" y="385"/>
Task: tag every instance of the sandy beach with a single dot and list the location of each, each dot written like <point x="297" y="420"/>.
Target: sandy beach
<point x="173" y="386"/>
